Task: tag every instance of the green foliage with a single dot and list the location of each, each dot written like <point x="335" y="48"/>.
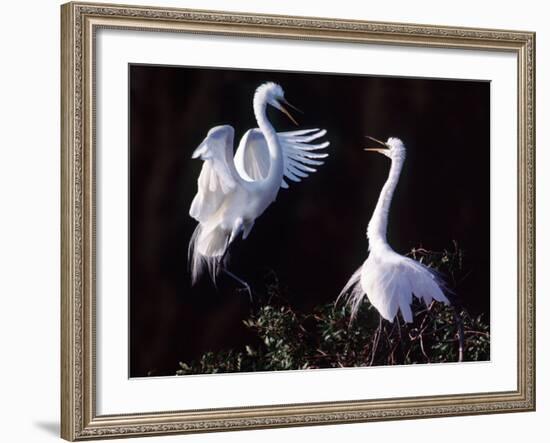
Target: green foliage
<point x="325" y="338"/>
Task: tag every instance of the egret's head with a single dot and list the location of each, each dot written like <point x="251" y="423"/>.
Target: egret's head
<point x="272" y="94"/>
<point x="392" y="148"/>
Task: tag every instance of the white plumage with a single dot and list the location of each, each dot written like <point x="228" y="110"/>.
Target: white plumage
<point x="233" y="192"/>
<point x="388" y="279"/>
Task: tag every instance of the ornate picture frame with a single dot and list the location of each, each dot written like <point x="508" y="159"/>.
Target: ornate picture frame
<point x="80" y="23"/>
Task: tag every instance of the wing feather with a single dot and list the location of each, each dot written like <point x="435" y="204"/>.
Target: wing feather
<point x="216" y="178"/>
<point x="252" y="159"/>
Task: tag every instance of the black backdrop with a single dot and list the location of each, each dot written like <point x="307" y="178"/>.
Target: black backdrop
<point x="313" y="236"/>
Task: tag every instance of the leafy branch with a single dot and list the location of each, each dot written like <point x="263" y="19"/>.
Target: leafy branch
<point x="325" y="338"/>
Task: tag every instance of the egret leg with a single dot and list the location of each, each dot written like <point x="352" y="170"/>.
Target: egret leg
<point x="223" y="258"/>
<point x="377" y="335"/>
<point x="401" y="335"/>
<point x="245" y="285"/>
<point x="222" y="265"/>
<point x="401" y="345"/>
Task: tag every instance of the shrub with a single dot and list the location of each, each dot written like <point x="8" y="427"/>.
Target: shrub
<point x="325" y="338"/>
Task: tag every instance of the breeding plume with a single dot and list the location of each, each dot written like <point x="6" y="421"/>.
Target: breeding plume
<point x="388" y="279"/>
<point x="234" y="192"/>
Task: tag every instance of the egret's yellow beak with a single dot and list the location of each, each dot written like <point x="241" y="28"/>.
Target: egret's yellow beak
<point x="383" y="150"/>
<point x="285" y="111"/>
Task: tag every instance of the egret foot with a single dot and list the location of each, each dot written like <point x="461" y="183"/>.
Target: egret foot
<point x="246" y="286"/>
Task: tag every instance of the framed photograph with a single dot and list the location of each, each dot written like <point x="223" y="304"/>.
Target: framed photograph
<point x="282" y="221"/>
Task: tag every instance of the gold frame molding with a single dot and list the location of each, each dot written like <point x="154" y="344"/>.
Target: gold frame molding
<point x="79" y="22"/>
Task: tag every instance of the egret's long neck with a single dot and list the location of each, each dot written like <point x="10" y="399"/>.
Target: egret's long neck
<point x="378" y="225"/>
<point x="276" y="164"/>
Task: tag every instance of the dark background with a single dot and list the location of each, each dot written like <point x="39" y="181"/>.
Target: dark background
<point x="313" y="236"/>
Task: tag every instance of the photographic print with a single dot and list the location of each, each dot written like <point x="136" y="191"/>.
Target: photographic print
<point x="300" y="221"/>
<point x="254" y="206"/>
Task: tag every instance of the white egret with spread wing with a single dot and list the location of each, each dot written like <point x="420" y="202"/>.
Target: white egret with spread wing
<point x="233" y="192"/>
<point x="388" y="279"/>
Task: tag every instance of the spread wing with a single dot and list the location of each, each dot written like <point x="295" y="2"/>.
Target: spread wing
<point x="252" y="157"/>
<point x="216" y="179"/>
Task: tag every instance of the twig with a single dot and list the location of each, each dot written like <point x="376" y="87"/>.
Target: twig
<point x="468" y="331"/>
<point x="422" y="348"/>
<point x="460" y="332"/>
<point x="427" y="315"/>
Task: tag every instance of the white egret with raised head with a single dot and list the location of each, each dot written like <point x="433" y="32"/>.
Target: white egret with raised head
<point x="390" y="280"/>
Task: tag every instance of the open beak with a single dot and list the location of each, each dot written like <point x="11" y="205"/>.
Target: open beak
<point x="383" y="150"/>
<point x="285" y="111"/>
